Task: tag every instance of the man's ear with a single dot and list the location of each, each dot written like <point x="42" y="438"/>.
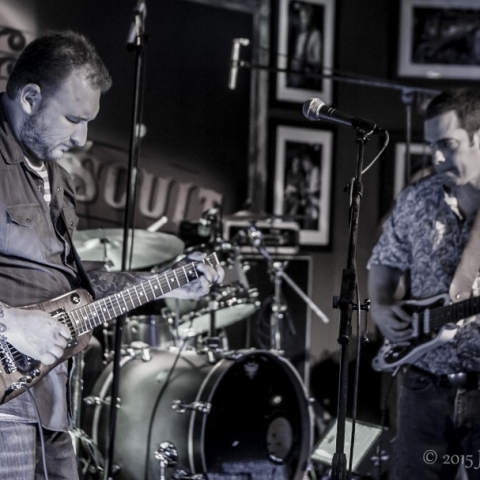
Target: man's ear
<point x="30" y="98"/>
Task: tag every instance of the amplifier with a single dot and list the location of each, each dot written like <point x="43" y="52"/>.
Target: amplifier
<point x="279" y="237"/>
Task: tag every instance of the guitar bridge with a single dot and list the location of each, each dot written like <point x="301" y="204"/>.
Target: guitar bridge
<point x="6" y="358"/>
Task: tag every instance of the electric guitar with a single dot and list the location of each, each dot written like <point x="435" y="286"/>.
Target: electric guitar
<point x="433" y="323"/>
<point x="81" y="315"/>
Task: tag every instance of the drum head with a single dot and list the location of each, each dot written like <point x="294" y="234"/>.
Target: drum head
<point x="259" y="425"/>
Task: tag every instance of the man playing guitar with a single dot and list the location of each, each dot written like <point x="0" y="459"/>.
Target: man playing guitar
<point x="425" y="236"/>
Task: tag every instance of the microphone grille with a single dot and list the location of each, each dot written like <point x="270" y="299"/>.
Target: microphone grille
<point x="311" y="108"/>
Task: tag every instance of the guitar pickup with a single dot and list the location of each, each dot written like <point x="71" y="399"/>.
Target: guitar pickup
<point x="62" y="316"/>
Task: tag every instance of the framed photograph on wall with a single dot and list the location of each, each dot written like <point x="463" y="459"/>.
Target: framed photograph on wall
<point x="305" y="49"/>
<point x="303" y="171"/>
<point x="440" y="39"/>
<point x="420" y="164"/>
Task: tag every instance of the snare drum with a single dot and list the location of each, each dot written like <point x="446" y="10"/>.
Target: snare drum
<point x="153" y="330"/>
<point x="234" y="299"/>
<point x="259" y="424"/>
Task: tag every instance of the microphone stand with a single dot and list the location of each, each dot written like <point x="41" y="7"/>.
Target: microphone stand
<point x="346" y="305"/>
<point x="136" y="43"/>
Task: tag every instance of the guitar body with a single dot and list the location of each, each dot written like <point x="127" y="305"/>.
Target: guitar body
<point x="392" y="356"/>
<point x="427" y="333"/>
<point x="29" y="371"/>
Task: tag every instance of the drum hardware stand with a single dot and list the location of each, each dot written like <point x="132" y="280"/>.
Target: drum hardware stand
<point x="278" y="272"/>
<point x="213" y="342"/>
<point x="176" y="318"/>
<point x="278" y="307"/>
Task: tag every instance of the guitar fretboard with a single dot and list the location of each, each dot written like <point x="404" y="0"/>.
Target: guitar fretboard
<point x="452" y="313"/>
<point x="86" y="318"/>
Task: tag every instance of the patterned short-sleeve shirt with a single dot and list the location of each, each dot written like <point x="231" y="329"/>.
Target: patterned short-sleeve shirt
<point x="425" y="235"/>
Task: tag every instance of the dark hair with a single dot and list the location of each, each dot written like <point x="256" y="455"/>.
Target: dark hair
<point x="465" y="102"/>
<point x="49" y="60"/>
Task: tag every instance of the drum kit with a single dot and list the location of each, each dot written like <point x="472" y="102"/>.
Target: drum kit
<point x="189" y="407"/>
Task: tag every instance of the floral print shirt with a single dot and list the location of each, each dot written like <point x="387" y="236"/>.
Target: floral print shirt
<point x="425" y="236"/>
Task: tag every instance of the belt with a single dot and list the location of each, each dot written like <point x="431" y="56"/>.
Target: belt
<point x="465" y="380"/>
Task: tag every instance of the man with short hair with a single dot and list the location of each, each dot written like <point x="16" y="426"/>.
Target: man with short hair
<point x="52" y="94"/>
<point x="425" y="236"/>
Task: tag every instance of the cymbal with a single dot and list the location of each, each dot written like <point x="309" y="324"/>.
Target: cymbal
<point x="106" y="245"/>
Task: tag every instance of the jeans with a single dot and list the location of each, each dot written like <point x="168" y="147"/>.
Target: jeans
<point x="21" y="454"/>
<point x="438" y="429"/>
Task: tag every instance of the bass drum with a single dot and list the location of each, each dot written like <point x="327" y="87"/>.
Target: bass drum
<point x="259" y="427"/>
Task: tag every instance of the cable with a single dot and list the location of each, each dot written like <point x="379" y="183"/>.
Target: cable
<point x="387" y="140"/>
<point x="40" y="432"/>
<point x="355" y="384"/>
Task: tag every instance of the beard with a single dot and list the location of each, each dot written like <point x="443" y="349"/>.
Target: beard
<point x="38" y="140"/>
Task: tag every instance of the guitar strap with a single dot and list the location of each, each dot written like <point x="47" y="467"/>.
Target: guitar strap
<point x="469" y="265"/>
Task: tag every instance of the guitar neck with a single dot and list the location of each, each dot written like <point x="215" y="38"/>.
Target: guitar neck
<point x="86" y="318"/>
<point x="453" y="313"/>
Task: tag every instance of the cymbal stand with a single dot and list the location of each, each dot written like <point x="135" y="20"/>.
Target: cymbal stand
<point x="278" y="271"/>
<point x="278" y="308"/>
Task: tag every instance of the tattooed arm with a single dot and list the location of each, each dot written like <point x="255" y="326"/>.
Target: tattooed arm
<point x="33" y="332"/>
<point x="106" y="283"/>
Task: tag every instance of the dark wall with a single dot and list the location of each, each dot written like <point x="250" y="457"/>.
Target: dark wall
<point x="193" y="121"/>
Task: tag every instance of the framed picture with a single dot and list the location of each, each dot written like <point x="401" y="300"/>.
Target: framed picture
<point x="303" y="171"/>
<point x="420" y="164"/>
<point x="440" y="39"/>
<point x="305" y="49"/>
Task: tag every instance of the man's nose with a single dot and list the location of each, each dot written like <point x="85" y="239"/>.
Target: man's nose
<point x="79" y="136"/>
<point x="438" y="156"/>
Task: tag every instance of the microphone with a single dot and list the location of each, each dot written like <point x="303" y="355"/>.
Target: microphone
<point x="314" y="109"/>
<point x="208" y="220"/>
<point x="234" y="61"/>
<point x="140" y="10"/>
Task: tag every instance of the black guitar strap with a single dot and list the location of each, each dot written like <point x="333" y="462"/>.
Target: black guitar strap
<point x="469" y="265"/>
